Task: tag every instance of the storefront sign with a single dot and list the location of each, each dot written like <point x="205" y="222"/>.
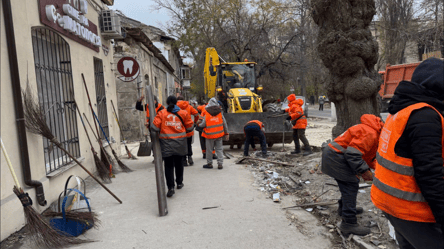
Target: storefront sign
<point x="68" y="18"/>
<point x="128" y="68"/>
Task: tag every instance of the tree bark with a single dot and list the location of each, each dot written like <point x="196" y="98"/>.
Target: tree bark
<point x="348" y="50"/>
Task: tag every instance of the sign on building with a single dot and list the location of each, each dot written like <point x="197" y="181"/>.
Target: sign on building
<point x="128" y="68"/>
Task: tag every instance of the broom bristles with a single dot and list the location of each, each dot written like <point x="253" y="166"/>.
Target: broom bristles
<point x="102" y="169"/>
<point x="105" y="157"/>
<point x="122" y="166"/>
<point x="41" y="232"/>
<point x="81" y="215"/>
<point x="130" y="156"/>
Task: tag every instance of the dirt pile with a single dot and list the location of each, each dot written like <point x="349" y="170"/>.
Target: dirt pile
<point x="299" y="185"/>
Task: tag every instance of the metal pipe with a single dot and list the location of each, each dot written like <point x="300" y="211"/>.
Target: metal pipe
<point x="18" y="104"/>
<point x="160" y="180"/>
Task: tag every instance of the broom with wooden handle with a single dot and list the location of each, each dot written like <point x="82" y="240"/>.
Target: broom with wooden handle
<point x="120" y="163"/>
<point x="128" y="152"/>
<point x="41" y="232"/>
<point x="35" y="121"/>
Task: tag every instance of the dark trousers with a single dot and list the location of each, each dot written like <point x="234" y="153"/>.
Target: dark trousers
<point x="417" y="235"/>
<point x="250" y="134"/>
<point x="321" y="107"/>
<point x="173" y="164"/>
<point x="190" y="149"/>
<point x="300" y="134"/>
<point x="349" y="192"/>
<point x="203" y="145"/>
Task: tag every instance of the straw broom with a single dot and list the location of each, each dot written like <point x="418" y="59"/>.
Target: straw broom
<point x="106" y="158"/>
<point x="128" y="152"/>
<point x="35" y="121"/>
<point x="77" y="215"/>
<point x="101" y="168"/>
<point x="120" y="163"/>
<point x="41" y="232"/>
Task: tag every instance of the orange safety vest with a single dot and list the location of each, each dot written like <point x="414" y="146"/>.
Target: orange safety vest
<point x="170" y="125"/>
<point x="148" y="110"/>
<point x="184" y="105"/>
<point x="214" y="126"/>
<point x="394" y="189"/>
<point x="296" y="112"/>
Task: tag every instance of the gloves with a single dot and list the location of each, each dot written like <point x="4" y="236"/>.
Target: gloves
<point x="227" y="137"/>
<point x="288" y="118"/>
<point x="283" y="111"/>
<point x="367" y="175"/>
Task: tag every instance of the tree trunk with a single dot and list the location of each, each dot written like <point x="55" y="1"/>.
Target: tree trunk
<point x="349" y="51"/>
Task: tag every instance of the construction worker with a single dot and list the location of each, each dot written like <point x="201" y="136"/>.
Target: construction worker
<point x="173" y="124"/>
<point x="299" y="122"/>
<point x="409" y="178"/>
<point x="255" y="128"/>
<point x="140" y="107"/>
<point x="203" y="146"/>
<point x="184" y="105"/>
<point x="214" y="128"/>
<point x="351" y="155"/>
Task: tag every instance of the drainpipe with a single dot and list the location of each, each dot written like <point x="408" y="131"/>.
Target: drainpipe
<point x="18" y="104"/>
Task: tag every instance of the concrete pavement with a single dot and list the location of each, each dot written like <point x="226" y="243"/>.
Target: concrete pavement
<point x="245" y="218"/>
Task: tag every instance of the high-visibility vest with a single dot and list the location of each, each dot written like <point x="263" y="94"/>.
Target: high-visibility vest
<point x="394" y="189"/>
<point x="170" y="125"/>
<point x="254" y="122"/>
<point x="159" y="106"/>
<point x="296" y="112"/>
<point x="214" y="126"/>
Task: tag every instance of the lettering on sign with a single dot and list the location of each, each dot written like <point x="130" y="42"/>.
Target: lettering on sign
<point x="68" y="18"/>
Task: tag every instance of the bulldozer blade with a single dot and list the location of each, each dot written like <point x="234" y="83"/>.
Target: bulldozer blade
<point x="275" y="129"/>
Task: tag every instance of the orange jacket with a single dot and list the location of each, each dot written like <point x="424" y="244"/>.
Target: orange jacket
<point x="172" y="133"/>
<point x="184" y="105"/>
<point x="297" y="113"/>
<point x="214" y="126"/>
<point x="158" y="108"/>
<point x="360" y="141"/>
<point x="258" y="123"/>
<point x="201" y="108"/>
<point x="394" y="189"/>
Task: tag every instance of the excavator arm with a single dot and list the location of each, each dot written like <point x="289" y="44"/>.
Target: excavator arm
<point x="210" y="72"/>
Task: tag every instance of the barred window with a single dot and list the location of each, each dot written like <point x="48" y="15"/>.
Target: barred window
<point x="101" y="96"/>
<point x="52" y="60"/>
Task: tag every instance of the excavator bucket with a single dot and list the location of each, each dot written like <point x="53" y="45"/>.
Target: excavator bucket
<point x="275" y="127"/>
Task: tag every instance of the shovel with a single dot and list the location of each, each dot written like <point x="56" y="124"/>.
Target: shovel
<point x="145" y="148"/>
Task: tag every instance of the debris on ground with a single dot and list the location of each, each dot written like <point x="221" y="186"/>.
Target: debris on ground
<point x="308" y="189"/>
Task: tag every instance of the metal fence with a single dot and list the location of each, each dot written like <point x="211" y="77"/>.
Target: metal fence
<point x="52" y="60"/>
<point x="101" y="96"/>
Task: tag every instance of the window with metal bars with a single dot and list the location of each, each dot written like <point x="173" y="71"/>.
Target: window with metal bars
<point x="52" y="60"/>
<point x="102" y="113"/>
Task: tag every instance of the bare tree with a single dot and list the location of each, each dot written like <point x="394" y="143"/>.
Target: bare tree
<point x="348" y="50"/>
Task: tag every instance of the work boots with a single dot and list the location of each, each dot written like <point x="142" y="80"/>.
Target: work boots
<point x="190" y="161"/>
<point x="296" y="151"/>
<point x="353" y="228"/>
<point x="307" y="151"/>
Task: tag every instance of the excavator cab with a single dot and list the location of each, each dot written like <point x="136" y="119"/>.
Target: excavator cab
<point x="237" y="76"/>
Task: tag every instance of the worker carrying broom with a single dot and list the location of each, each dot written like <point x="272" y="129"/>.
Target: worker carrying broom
<point x="184" y="105"/>
<point x="351" y="155"/>
<point x="139" y="107"/>
<point x="409" y="178"/>
<point x="252" y="129"/>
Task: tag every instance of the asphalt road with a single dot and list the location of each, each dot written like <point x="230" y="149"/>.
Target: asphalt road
<point x="326" y="113"/>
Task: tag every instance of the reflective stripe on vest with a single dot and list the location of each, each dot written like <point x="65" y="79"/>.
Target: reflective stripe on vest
<point x="214" y="126"/>
<point x="394" y="189"/>
<point x="337" y="147"/>
<point x="174" y="135"/>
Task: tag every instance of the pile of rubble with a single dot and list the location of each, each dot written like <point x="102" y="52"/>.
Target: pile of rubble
<point x="299" y="181"/>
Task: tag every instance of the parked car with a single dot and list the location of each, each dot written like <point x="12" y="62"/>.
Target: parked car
<point x="305" y="105"/>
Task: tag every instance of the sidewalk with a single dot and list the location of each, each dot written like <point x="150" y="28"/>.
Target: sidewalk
<point x="245" y="218"/>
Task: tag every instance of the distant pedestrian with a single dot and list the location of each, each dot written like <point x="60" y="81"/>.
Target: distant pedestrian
<point x="214" y="129"/>
<point x="252" y="129"/>
<point x="321" y="103"/>
<point x="173" y="124"/>
<point x="409" y="177"/>
<point x="350" y="155"/>
<point x="312" y="100"/>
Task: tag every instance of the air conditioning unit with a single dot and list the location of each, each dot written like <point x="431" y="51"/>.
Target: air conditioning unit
<point x="110" y="25"/>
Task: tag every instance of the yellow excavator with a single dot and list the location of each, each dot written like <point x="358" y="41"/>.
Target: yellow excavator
<point x="234" y="84"/>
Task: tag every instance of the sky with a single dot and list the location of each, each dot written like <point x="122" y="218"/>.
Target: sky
<point x="142" y="10"/>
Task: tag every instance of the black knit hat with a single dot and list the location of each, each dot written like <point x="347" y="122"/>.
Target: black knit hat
<point x="171" y="100"/>
<point x="430" y="75"/>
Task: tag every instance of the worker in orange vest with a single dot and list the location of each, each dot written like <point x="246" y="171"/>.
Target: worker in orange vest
<point x="140" y="107"/>
<point x="348" y="156"/>
<point x="299" y="121"/>
<point x="203" y="146"/>
<point x="214" y="129"/>
<point x="252" y="129"/>
<point x="184" y="105"/>
<point x="173" y="124"/>
<point x="409" y="178"/>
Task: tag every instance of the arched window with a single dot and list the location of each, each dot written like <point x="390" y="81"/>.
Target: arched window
<point x="52" y="60"/>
